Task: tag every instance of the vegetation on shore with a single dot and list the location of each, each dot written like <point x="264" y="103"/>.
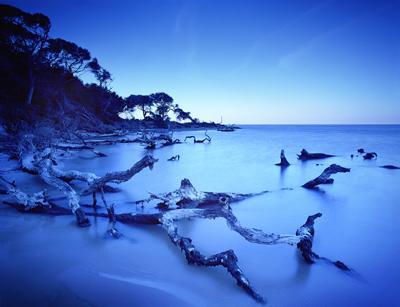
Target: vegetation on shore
<point x="40" y="84"/>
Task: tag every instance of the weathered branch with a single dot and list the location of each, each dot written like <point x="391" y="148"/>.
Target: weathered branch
<point x="49" y="175"/>
<point x="227" y="259"/>
<point x="206" y="139"/>
<point x="324" y="178"/>
<point x="188" y="197"/>
<point x="210" y="205"/>
<point x="121" y="176"/>
<point x="26" y="201"/>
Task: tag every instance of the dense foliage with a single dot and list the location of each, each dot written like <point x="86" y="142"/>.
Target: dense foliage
<point x="40" y="81"/>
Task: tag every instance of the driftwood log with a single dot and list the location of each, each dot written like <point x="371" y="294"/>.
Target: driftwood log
<point x="44" y="164"/>
<point x="195" y="140"/>
<point x="186" y="202"/>
<point x="324" y="178"/>
<point x="305" y="155"/>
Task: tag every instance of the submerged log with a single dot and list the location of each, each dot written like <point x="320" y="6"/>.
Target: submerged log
<point x="195" y="140"/>
<point x="305" y="155"/>
<point x="390" y="167"/>
<point x="284" y="162"/>
<point x="174" y="158"/>
<point x="370" y="156"/>
<point x="324" y="178"/>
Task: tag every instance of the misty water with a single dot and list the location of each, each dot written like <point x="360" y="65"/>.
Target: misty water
<point x="48" y="261"/>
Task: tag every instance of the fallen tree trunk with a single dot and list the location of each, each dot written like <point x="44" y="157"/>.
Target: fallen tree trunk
<point x="46" y="172"/>
<point x="305" y="155"/>
<point x="324" y="178"/>
<point x="210" y="205"/>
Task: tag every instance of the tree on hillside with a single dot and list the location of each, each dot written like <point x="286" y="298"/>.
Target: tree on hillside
<point x="163" y="103"/>
<point x="102" y="75"/>
<point x="143" y="103"/>
<point x="182" y="115"/>
<point x="27" y="35"/>
<point x="67" y="56"/>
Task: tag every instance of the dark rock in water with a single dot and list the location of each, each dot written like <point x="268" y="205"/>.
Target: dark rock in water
<point x="352" y="156"/>
<point x="370" y="156"/>
<point x="390" y="167"/>
<point x="341" y="265"/>
<point x="305" y="155"/>
<point x="81" y="218"/>
<point x="174" y="158"/>
<point x="361" y="150"/>
<point x="284" y="162"/>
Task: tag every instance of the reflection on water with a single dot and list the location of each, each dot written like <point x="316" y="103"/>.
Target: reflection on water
<point x="43" y="258"/>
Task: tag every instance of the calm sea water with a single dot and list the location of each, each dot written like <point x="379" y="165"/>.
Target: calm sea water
<point x="49" y="261"/>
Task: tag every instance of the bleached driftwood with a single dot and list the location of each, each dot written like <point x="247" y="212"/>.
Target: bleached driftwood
<point x="195" y="140"/>
<point x="324" y="178"/>
<point x="24" y="200"/>
<point x="191" y="203"/>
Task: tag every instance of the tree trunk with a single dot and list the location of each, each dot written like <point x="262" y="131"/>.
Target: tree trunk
<point x="31" y="85"/>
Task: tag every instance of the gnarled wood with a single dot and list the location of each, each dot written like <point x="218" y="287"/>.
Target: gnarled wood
<point x="195" y="140"/>
<point x="324" y="178"/>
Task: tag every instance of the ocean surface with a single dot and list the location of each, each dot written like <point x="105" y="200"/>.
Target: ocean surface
<point x="49" y="261"/>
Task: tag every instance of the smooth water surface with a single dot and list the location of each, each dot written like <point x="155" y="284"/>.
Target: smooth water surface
<point x="49" y="261"/>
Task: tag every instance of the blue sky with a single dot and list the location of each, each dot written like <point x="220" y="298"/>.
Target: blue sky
<point x="261" y="62"/>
